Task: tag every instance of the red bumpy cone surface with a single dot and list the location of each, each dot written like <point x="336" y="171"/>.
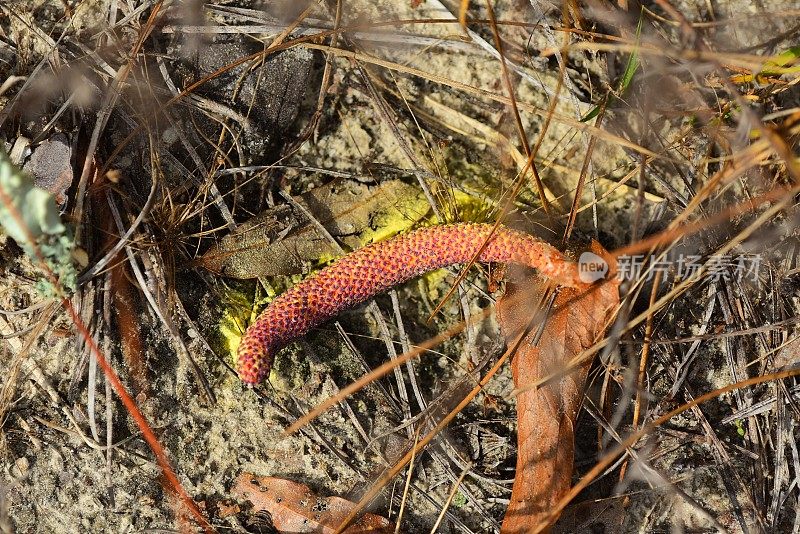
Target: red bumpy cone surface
<point x="371" y="270"/>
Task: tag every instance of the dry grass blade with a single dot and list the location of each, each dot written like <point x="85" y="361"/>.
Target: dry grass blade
<point x="523" y="137"/>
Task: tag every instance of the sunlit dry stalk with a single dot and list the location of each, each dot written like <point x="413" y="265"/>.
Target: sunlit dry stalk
<point x="408" y="481"/>
<point x="644" y="357"/>
<point x="450" y="498"/>
<point x="462" y="13"/>
<point x="644" y="360"/>
<point x="523" y="137"/>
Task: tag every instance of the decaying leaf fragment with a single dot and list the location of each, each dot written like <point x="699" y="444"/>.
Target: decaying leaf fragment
<point x="545" y="434"/>
<point x="282" y="241"/>
<point x="294" y="508"/>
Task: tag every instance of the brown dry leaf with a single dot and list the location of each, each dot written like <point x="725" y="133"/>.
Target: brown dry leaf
<point x="546" y="415"/>
<point x="282" y="241"/>
<point x="294" y="508"/>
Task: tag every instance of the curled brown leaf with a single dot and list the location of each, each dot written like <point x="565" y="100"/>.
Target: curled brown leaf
<point x="546" y="415"/>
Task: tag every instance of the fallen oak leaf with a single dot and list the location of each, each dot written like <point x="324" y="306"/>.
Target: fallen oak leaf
<point x="546" y="416"/>
<point x="294" y="508"/>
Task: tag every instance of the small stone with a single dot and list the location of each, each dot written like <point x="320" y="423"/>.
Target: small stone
<point x="50" y="166"/>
